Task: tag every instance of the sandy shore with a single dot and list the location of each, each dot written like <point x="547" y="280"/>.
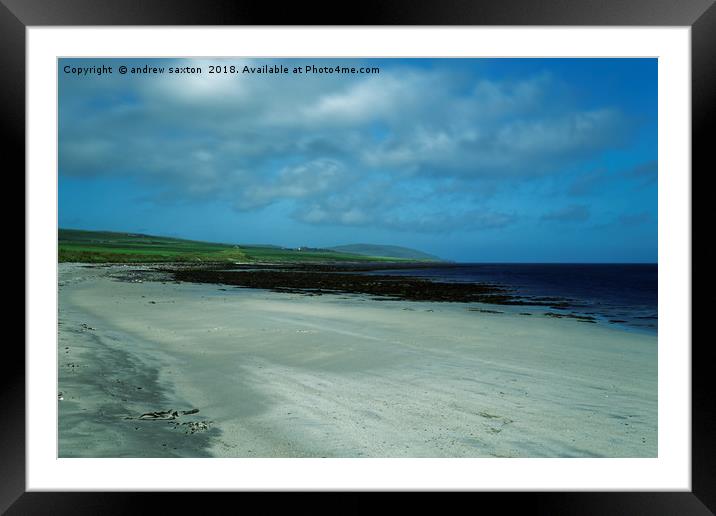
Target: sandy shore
<point x="288" y="375"/>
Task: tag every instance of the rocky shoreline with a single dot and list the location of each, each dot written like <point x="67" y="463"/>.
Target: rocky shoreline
<point x="318" y="279"/>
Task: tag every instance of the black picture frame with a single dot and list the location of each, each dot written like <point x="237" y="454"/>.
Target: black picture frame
<point x="700" y="15"/>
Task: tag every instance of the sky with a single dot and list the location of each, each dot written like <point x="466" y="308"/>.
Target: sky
<point x="472" y="160"/>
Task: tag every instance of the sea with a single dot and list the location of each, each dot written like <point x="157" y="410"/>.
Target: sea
<point x="624" y="295"/>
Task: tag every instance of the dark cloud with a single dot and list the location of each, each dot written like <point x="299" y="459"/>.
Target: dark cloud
<point x="645" y="173"/>
<point x="572" y="213"/>
<point x="588" y="182"/>
<point x="634" y="219"/>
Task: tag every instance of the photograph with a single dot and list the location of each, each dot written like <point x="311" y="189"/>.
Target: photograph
<point x="343" y="257"/>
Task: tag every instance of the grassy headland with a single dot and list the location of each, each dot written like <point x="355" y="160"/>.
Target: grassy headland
<point x="110" y="247"/>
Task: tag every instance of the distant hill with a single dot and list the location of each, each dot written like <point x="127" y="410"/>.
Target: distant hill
<point x="387" y="251"/>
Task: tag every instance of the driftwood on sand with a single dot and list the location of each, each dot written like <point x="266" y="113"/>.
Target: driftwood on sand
<point x="161" y="415"/>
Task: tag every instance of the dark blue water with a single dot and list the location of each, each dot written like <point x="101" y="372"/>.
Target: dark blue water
<point x="616" y="294"/>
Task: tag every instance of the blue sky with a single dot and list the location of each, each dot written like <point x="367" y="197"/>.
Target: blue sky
<point x="514" y="160"/>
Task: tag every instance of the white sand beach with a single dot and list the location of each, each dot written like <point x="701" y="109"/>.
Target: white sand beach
<point x="289" y="375"/>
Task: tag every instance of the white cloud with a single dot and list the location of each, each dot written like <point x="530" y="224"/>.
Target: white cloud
<point x="294" y="182"/>
<point x="350" y="150"/>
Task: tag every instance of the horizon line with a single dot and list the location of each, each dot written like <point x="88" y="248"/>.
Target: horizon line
<point x="441" y="260"/>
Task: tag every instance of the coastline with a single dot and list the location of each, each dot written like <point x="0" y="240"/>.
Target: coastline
<point x="339" y="375"/>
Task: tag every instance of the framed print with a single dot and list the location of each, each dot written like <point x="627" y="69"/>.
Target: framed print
<point x="440" y="249"/>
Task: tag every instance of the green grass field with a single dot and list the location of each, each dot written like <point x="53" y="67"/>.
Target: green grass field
<point x="109" y="247"/>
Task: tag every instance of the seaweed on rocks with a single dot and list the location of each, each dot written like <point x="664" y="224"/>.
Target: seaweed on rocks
<point x="319" y="279"/>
